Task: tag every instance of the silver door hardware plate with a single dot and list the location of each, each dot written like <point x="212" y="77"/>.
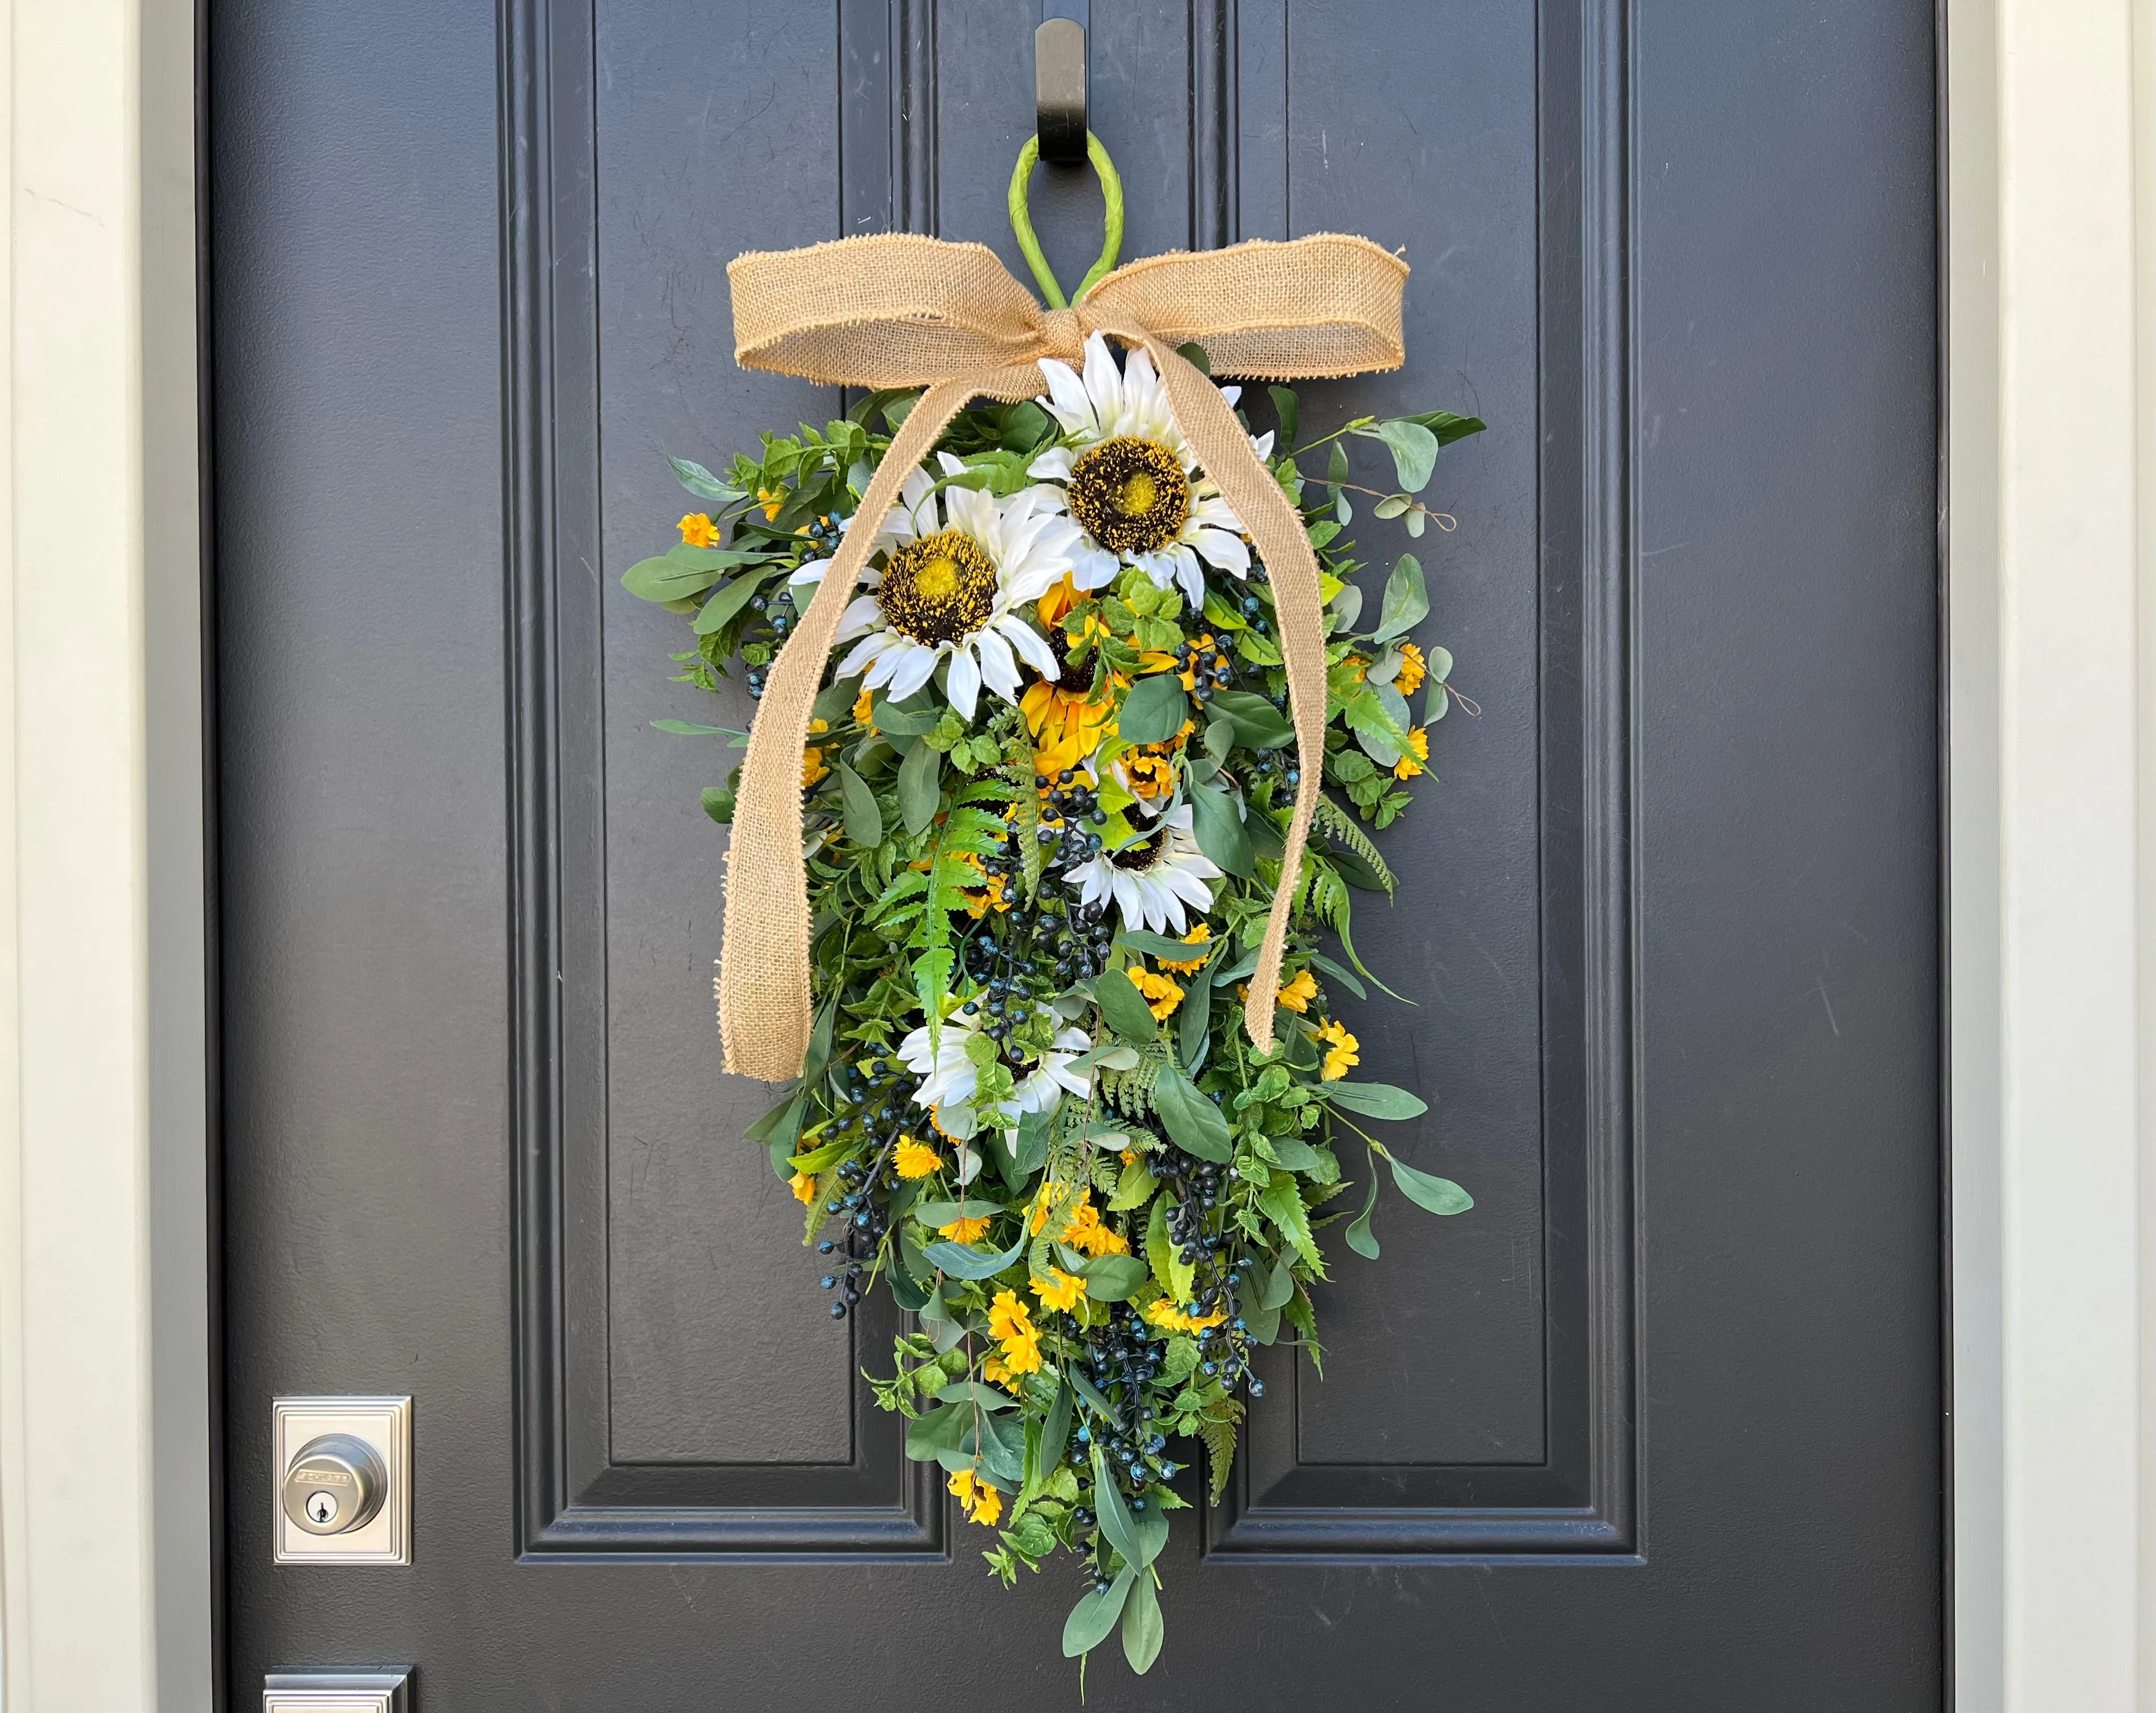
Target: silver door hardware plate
<point x="336" y="1692"/>
<point x="343" y="1491"/>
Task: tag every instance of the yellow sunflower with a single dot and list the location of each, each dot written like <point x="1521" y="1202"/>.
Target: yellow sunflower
<point x="965" y="1228"/>
<point x="1162" y="994"/>
<point x="1413" y="668"/>
<point x="981" y="1502"/>
<point x="698" y="530"/>
<point x="1411" y="761"/>
<point x="813" y="766"/>
<point x="804" y="1186"/>
<point x="1060" y="1290"/>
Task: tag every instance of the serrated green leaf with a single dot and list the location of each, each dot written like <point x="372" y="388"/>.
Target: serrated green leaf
<point x="1281" y="1203"/>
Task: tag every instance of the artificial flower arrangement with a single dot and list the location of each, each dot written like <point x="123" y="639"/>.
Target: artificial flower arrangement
<point x="1045" y="790"/>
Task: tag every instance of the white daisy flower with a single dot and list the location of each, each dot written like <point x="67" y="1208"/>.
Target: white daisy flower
<point x="1151" y="878"/>
<point x="956" y="568"/>
<point x="949" y="1080"/>
<point x="1129" y="480"/>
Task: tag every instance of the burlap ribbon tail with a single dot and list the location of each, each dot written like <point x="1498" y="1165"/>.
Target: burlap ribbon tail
<point x="902" y="310"/>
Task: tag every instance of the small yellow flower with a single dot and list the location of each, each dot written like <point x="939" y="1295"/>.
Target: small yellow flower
<point x="1008" y="1317"/>
<point x="771" y="499"/>
<point x="1162" y="994"/>
<point x="698" y="530"/>
<point x="813" y="766"/>
<point x="915" y="1159"/>
<point x="865" y="710"/>
<point x="1413" y="668"/>
<point x="1299" y="992"/>
<point x="980" y="1501"/>
<point x="1165" y="1314"/>
<point x="1342" y="1050"/>
<point x="964" y="1228"/>
<point x="994" y="1370"/>
<point x="1022" y="1356"/>
<point x="804" y="1186"/>
<point x="1085" y="1233"/>
<point x="1197" y="936"/>
<point x="1128" y="1156"/>
<point x="1060" y="1290"/>
<point x="1417" y="752"/>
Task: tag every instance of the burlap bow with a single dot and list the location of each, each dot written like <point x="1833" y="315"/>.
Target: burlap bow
<point x="897" y="310"/>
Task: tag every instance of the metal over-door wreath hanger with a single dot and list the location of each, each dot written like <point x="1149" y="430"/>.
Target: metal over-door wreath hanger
<point x="1072" y="733"/>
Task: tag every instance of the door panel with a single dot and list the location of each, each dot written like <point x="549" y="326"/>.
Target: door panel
<point x="1656" y="1425"/>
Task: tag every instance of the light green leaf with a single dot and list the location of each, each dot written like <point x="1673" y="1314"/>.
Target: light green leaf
<point x="1169" y="951"/>
<point x="1281" y="1203"/>
<point x="1407" y="601"/>
<point x="1135" y="1187"/>
<point x="702" y="483"/>
<point x="1142" y="1625"/>
<point x="1108" y="1506"/>
<point x="1413" y="449"/>
<point x="1440" y="1195"/>
<point x="1360" y="1238"/>
<point x="918" y="798"/>
<point x="1279" y="1285"/>
<point x="1375" y="1099"/>
<point x="989" y="1397"/>
<point x="1154" y="710"/>
<point x="1289" y="409"/>
<point x="864" y="819"/>
<point x="718" y="804"/>
<point x="1095" y="1614"/>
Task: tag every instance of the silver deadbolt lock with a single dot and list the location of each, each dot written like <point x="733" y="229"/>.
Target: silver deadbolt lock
<point x="335" y="1486"/>
<point x="343" y="1488"/>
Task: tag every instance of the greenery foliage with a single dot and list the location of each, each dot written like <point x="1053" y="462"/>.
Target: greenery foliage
<point x="1029" y="1110"/>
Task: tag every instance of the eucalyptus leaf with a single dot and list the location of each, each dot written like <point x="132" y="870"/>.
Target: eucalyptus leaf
<point x="918" y="797"/>
<point x="1263" y="1324"/>
<point x="1124" y="1008"/>
<point x="1413" y="449"/>
<point x="1346" y="607"/>
<point x="1375" y="1099"/>
<point x="1279" y="1285"/>
<point x="864" y="819"/>
<point x="1294" y="1153"/>
<point x="1154" y="710"/>
<point x="1194" y="1123"/>
<point x="906" y="1290"/>
<point x="1440" y="1195"/>
<point x="1095" y="1614"/>
<point x="1407" y="600"/>
<point x="1000" y="1442"/>
<point x="914" y="717"/>
<point x="935" y="1215"/>
<point x="1195" y="1025"/>
<point x="1055" y="1432"/>
<point x="718" y="804"/>
<point x="935" y="1430"/>
<point x="1218" y="824"/>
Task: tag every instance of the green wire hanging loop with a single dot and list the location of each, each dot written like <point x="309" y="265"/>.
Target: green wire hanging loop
<point x="1021" y="220"/>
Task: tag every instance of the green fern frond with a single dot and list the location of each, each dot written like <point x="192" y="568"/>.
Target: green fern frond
<point x="1219" y="1437"/>
<point x="1337" y="824"/>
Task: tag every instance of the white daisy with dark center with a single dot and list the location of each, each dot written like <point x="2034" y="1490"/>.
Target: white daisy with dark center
<point x="1126" y="475"/>
<point x="958" y="567"/>
<point x="1152" y="878"/>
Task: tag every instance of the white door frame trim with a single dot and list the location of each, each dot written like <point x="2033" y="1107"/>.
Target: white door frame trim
<point x="2049" y="122"/>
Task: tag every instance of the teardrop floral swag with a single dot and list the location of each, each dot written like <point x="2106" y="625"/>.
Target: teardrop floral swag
<point x="1045" y="792"/>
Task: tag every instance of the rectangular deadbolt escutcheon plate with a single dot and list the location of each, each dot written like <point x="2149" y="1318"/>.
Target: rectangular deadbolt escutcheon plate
<point x="385" y="1423"/>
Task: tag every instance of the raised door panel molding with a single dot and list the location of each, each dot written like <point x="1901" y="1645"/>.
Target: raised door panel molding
<point x="651" y="1279"/>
